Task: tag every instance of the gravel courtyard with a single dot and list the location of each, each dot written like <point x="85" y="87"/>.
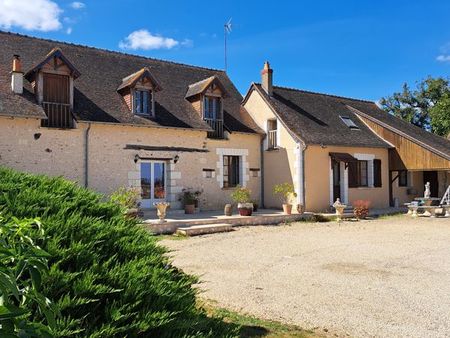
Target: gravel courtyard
<point x="383" y="278"/>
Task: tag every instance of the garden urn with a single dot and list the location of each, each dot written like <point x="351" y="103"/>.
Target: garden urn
<point x="339" y="209"/>
<point x="161" y="208"/>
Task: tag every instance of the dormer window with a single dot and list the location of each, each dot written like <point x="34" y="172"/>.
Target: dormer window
<point x="212" y="108"/>
<point x="52" y="80"/>
<point x="142" y="103"/>
<point x="206" y="97"/>
<point x="138" y="91"/>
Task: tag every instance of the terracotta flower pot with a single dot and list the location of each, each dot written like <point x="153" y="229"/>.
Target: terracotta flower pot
<point x="287" y="209"/>
<point x="245" y="209"/>
<point x="189" y="208"/>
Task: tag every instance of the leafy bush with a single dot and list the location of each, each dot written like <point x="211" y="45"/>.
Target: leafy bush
<point x="22" y="265"/>
<point x="361" y="208"/>
<point x="126" y="198"/>
<point x="286" y="191"/>
<point x="241" y="195"/>
<point x="107" y="275"/>
<point x="190" y="197"/>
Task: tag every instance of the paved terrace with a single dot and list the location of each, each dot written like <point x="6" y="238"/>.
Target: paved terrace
<point x="177" y="218"/>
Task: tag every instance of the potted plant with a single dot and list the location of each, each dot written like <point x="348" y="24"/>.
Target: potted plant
<point x="189" y="199"/>
<point x="242" y="196"/>
<point x="128" y="200"/>
<point x="361" y="209"/>
<point x="286" y="192"/>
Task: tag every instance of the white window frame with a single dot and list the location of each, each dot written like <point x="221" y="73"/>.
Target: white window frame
<point x="370" y="171"/>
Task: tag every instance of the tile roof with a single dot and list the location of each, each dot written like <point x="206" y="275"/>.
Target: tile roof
<point x="316" y="118"/>
<point x="102" y="72"/>
<point x="200" y="86"/>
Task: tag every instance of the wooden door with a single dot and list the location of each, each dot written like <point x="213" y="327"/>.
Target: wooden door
<point x="336" y="181"/>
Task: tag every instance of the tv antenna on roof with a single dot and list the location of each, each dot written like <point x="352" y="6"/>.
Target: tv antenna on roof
<point x="226" y="31"/>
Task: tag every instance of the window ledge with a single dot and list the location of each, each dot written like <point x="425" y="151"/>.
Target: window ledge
<point x="273" y="149"/>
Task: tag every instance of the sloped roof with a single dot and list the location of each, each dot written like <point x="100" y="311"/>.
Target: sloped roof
<point x="201" y="86"/>
<point x="316" y="118"/>
<point x="429" y="140"/>
<point x="54" y="53"/>
<point x="102" y="72"/>
<point x="131" y="80"/>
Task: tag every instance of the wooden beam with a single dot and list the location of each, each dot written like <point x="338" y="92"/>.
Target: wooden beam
<point x="163" y="148"/>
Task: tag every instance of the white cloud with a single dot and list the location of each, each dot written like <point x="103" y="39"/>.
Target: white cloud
<point x="443" y="58"/>
<point x="187" y="43"/>
<point x="77" y="5"/>
<point x="143" y="39"/>
<point x="42" y="15"/>
<point x="69" y="30"/>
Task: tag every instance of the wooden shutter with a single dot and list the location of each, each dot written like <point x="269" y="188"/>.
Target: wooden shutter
<point x="353" y="175"/>
<point x="377" y="173"/>
<point x="56" y="88"/>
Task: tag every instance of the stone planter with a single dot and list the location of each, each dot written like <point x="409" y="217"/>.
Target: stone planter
<point x="161" y="208"/>
<point x="245" y="209"/>
<point x="189" y="208"/>
<point x="287" y="209"/>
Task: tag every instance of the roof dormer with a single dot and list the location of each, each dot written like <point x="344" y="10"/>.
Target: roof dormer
<point x="52" y="80"/>
<point x="207" y="97"/>
<point x="138" y="91"/>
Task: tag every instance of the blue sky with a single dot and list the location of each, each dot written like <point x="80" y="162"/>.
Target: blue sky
<point x="363" y="49"/>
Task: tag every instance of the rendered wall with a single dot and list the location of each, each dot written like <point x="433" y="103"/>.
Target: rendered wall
<point x="61" y="153"/>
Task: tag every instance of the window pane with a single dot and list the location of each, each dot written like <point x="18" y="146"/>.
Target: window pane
<point x="137" y="102"/>
<point x="363" y="173"/>
<point x="145" y="180"/>
<point x="159" y="181"/>
<point x="144" y="102"/>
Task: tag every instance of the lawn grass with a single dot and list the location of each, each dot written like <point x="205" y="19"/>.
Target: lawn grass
<point x="252" y="327"/>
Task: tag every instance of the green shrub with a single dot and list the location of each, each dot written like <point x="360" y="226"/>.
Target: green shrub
<point x="286" y="191"/>
<point x="22" y="265"/>
<point x="107" y="275"/>
<point x="241" y="195"/>
<point x="126" y="198"/>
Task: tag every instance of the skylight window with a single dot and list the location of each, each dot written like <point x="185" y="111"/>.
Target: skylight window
<point x="349" y="122"/>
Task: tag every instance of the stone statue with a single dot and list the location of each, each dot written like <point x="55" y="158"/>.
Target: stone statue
<point x="427" y="193"/>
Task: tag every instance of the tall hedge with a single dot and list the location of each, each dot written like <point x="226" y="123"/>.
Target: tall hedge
<point x="107" y="276"/>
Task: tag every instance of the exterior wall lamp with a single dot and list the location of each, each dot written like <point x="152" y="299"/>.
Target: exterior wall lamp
<point x="176" y="158"/>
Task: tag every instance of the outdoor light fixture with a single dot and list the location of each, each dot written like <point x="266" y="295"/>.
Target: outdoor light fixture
<point x="136" y="158"/>
<point x="176" y="158"/>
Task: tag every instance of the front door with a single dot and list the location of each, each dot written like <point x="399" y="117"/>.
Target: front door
<point x="153" y="183"/>
<point x="336" y="181"/>
<point x="432" y="177"/>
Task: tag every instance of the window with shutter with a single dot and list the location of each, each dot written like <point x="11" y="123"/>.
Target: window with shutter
<point x="353" y="175"/>
<point x="377" y="173"/>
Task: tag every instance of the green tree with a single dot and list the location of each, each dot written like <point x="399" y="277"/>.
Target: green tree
<point x="426" y="106"/>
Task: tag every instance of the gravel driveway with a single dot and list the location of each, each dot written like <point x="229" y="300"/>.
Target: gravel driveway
<point x="384" y="278"/>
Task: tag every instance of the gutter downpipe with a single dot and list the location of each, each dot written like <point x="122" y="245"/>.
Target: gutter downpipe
<point x="301" y="174"/>
<point x="261" y="181"/>
<point x="86" y="156"/>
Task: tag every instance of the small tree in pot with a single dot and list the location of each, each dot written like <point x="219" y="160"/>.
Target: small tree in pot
<point x="242" y="196"/>
<point x="286" y="192"/>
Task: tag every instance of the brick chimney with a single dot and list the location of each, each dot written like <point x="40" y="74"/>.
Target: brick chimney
<point x="266" y="78"/>
<point x="17" y="76"/>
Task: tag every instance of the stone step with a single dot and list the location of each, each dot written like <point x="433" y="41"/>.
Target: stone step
<point x="196" y="230"/>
